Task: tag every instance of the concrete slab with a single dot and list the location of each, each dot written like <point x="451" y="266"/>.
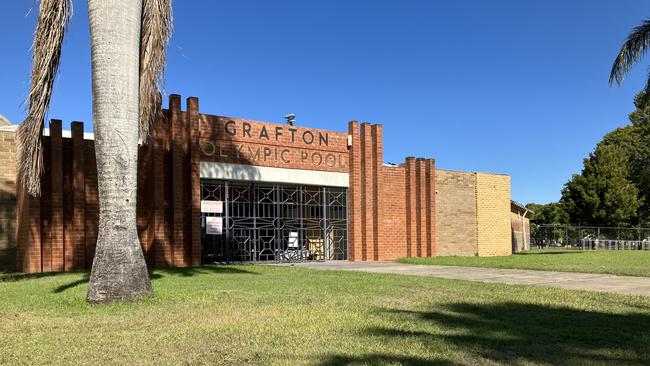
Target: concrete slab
<point x="625" y="285"/>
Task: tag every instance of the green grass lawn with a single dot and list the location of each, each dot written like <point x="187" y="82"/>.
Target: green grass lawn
<point x="238" y="315"/>
<point x="620" y="262"/>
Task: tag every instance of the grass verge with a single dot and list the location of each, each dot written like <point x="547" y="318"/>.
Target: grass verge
<point x="623" y="263"/>
<point x="260" y="315"/>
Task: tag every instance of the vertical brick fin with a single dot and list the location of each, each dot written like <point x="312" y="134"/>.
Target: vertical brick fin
<point x="176" y="129"/>
<point x="430" y="207"/>
<point x="411" y="236"/>
<point x="56" y="172"/>
<point x="145" y="202"/>
<point x="162" y="255"/>
<point x="354" y="194"/>
<point x="92" y="203"/>
<point x="187" y="190"/>
<point x="28" y="228"/>
<point x="46" y="208"/>
<point x="78" y="236"/>
<point x="420" y="168"/>
<point x="368" y="193"/>
<point x="195" y="180"/>
<point x="378" y="162"/>
<point x="417" y="212"/>
<point x="68" y="249"/>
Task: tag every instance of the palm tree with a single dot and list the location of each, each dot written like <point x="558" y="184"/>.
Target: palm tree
<point x="128" y="42"/>
<point x="635" y="46"/>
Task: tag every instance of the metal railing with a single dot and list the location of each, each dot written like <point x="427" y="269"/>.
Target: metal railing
<point x="590" y="237"/>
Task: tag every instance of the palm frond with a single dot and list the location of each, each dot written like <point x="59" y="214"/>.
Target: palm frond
<point x="634" y="47"/>
<point x="53" y="18"/>
<point x="155" y="33"/>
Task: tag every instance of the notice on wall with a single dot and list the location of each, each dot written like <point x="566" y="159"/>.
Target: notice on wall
<point x="293" y="239"/>
<point x="211" y="206"/>
<point x="213" y="225"/>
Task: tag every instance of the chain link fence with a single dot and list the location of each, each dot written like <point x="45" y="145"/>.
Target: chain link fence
<point x="590" y="237"/>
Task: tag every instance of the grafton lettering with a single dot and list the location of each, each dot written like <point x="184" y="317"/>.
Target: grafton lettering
<point x="240" y="129"/>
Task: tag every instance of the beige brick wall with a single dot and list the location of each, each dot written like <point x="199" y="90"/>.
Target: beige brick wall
<point x="493" y="223"/>
<point x="7" y="200"/>
<point x="455" y="213"/>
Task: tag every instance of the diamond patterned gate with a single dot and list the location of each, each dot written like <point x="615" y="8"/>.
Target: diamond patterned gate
<point x="275" y="222"/>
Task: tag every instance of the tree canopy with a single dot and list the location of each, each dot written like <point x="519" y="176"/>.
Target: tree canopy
<point x="613" y="187"/>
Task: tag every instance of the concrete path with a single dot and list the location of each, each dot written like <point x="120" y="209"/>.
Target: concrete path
<point x="626" y="285"/>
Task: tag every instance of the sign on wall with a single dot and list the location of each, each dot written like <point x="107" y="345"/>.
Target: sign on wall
<point x="211" y="206"/>
<point x="213" y="225"/>
<point x="266" y="144"/>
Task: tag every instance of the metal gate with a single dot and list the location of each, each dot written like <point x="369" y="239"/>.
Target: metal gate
<point x="275" y="222"/>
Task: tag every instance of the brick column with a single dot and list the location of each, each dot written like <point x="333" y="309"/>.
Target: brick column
<point x="77" y="245"/>
<point x="56" y="172"/>
<point x="377" y="183"/>
<point x="411" y="205"/>
<point x="195" y="180"/>
<point x="161" y="248"/>
<point x="367" y="193"/>
<point x="145" y="201"/>
<point x="176" y="127"/>
<point x="28" y="228"/>
<point x="421" y="207"/>
<point x="354" y="195"/>
<point x="91" y="212"/>
<point x="430" y="207"/>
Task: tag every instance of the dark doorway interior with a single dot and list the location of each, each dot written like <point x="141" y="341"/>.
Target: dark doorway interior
<point x="275" y="222"/>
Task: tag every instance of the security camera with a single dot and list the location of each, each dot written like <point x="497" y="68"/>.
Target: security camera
<point x="290" y="118"/>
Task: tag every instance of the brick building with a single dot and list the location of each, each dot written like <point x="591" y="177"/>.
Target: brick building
<point x="520" y="225"/>
<point x="221" y="189"/>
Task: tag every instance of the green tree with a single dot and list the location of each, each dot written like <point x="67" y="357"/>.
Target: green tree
<point x="633" y="49"/>
<point x="631" y="141"/>
<point x="602" y="194"/>
<point x="550" y="213"/>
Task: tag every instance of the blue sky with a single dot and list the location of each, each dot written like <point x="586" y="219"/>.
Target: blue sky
<point x="514" y="87"/>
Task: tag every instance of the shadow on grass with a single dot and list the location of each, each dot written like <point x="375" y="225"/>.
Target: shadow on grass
<point x="381" y="359"/>
<point x="514" y="333"/>
<point x="560" y="251"/>
<point x="17" y="276"/>
<point x="193" y="271"/>
<point x="157" y="273"/>
<point x="72" y="284"/>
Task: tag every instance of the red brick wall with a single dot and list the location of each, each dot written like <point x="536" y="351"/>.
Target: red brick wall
<point x="58" y="231"/>
<point x="391" y="209"/>
<point x="394" y="222"/>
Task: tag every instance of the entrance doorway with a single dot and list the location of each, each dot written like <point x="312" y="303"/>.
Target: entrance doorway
<point x="273" y="222"/>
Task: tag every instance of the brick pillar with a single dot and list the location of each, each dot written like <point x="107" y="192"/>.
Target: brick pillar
<point x="145" y="201"/>
<point x="421" y="207"/>
<point x="367" y="192"/>
<point x="195" y="180"/>
<point x="56" y="172"/>
<point x="377" y="183"/>
<point x="431" y="207"/>
<point x="354" y="195"/>
<point x="176" y="128"/>
<point x="162" y="248"/>
<point x="76" y="246"/>
<point x="28" y="228"/>
<point x="411" y="204"/>
<point x="91" y="212"/>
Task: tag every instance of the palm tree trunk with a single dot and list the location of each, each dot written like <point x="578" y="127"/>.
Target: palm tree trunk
<point x="119" y="270"/>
